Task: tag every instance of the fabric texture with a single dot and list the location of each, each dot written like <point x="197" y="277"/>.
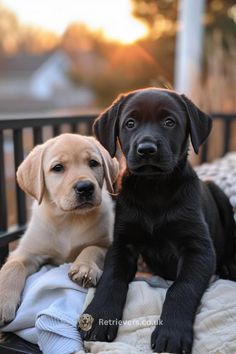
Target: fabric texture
<point x="214" y="328"/>
<point x="223" y="172"/>
<point x="49" y="311"/>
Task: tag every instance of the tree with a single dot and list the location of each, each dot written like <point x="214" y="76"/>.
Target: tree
<point x="15" y="37"/>
<point x="78" y="37"/>
<point x="36" y="40"/>
<point x="219" y="15"/>
<point x="9" y="31"/>
<point x="161" y="18"/>
<point x="159" y="15"/>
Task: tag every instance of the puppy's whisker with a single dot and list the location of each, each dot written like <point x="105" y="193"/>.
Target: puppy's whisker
<point x="113" y="194"/>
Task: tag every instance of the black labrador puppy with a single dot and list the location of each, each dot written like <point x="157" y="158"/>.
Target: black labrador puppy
<point x="182" y="227"/>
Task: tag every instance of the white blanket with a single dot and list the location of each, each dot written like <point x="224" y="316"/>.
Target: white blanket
<point x="214" y="328"/>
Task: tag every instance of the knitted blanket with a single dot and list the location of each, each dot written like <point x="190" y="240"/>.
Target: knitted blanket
<point x="223" y="172"/>
<point x="214" y="327"/>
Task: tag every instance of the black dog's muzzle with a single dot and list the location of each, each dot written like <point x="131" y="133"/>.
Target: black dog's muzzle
<point x="146" y="149"/>
<point x="149" y="155"/>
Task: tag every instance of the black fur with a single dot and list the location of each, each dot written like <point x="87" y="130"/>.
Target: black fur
<point x="183" y="228"/>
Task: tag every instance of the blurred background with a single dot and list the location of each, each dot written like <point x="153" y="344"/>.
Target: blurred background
<point x="81" y="54"/>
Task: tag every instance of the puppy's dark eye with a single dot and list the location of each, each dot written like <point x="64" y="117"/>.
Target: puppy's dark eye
<point x="58" y="168"/>
<point x="169" y="123"/>
<point x="94" y="163"/>
<point x="130" y="123"/>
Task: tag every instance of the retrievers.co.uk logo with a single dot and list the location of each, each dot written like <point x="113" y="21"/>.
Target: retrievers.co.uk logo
<point x="86" y="322"/>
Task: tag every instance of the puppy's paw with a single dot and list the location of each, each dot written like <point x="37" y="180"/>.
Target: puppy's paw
<point x="86" y="275"/>
<point x="101" y="325"/>
<point x="9" y="303"/>
<point x="170" y="339"/>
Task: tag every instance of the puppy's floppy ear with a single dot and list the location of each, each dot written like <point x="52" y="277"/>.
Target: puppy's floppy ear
<point x="200" y="123"/>
<point x="110" y="166"/>
<point x="30" y="176"/>
<point x="105" y="126"/>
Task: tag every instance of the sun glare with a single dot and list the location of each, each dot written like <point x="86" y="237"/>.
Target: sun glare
<point x="112" y="17"/>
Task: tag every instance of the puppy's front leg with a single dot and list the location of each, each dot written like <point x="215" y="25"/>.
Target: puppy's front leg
<point x="175" y="332"/>
<point x="12" y="280"/>
<point x="87" y="268"/>
<point x="106" y="308"/>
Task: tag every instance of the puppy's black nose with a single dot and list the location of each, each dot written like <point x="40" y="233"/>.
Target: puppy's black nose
<point x="84" y="188"/>
<point x="146" y="149"/>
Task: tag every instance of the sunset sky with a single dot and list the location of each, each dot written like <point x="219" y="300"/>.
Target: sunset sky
<point x="113" y="17"/>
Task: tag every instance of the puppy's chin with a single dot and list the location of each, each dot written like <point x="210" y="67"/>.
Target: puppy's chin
<point x="149" y="170"/>
<point x="86" y="207"/>
<point x="80" y="207"/>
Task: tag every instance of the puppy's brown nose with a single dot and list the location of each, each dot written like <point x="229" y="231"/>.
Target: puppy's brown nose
<point x="145" y="149"/>
<point x="84" y="188"/>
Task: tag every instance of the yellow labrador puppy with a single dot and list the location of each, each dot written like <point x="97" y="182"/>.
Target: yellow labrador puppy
<point x="71" y="221"/>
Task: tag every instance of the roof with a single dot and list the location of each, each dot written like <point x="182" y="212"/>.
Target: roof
<point x="21" y="64"/>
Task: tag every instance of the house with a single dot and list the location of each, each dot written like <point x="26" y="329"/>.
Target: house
<point x="39" y="82"/>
